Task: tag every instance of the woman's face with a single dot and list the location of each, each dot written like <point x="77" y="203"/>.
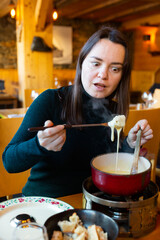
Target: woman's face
<point x="102" y="68"/>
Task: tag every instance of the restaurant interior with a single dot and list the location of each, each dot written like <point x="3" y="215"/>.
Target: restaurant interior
<point x="39" y="50"/>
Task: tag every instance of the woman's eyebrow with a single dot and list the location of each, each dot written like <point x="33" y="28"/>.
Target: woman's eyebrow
<point x="97" y="58"/>
<point x="117" y="63"/>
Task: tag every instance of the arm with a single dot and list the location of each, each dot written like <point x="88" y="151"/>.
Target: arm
<point x="24" y="150"/>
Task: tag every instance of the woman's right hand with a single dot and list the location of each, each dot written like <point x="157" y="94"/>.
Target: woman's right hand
<point x="52" y="138"/>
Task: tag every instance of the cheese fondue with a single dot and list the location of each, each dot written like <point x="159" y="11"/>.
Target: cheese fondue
<point x="117" y="123"/>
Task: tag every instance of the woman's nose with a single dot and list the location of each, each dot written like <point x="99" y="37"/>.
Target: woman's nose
<point x="103" y="73"/>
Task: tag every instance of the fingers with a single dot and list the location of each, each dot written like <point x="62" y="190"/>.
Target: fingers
<point x="52" y="131"/>
<point x="57" y="143"/>
<point x="146" y="136"/>
<point x="140" y="124"/>
<point x="52" y="138"/>
<point x="147" y="133"/>
<point x="48" y="123"/>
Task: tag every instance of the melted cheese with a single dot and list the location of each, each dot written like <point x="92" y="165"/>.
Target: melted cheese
<point x="117" y="123"/>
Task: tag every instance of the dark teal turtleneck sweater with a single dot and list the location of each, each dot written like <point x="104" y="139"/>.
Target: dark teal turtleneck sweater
<point x="55" y="174"/>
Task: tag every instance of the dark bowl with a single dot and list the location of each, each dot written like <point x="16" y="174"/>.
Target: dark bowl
<point x="88" y="217"/>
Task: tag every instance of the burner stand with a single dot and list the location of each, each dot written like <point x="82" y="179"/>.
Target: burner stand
<point x="136" y="215"/>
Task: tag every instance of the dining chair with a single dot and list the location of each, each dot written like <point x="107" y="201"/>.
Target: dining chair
<point x="10" y="183"/>
<point x="152" y="146"/>
<point x="31" y="94"/>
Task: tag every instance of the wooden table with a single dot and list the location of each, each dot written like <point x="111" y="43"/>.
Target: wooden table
<point x="7" y="113"/>
<point x="76" y="202"/>
<point x="7" y="100"/>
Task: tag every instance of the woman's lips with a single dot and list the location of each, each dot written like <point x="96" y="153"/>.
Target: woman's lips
<point x="99" y="86"/>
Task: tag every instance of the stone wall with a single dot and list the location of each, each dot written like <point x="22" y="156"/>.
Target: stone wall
<point x="8" y="51"/>
<point x="82" y="30"/>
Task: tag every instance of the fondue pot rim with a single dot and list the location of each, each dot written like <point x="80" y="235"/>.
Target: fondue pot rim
<point x="115" y="174"/>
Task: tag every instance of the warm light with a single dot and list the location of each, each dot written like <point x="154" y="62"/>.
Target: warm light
<point x="55" y="15"/>
<point x="13" y="13"/>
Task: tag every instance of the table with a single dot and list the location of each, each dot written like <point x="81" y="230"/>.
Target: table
<point x="13" y="112"/>
<point x="76" y="202"/>
<point x="7" y="100"/>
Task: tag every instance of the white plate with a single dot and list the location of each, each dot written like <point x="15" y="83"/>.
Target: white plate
<point x="40" y="208"/>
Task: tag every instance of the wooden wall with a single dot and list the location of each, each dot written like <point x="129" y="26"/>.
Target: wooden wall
<point x="142" y="59"/>
<point x="144" y="65"/>
<point x="10" y="76"/>
<point x="63" y="76"/>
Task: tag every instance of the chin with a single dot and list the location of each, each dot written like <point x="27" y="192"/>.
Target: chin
<point x="98" y="95"/>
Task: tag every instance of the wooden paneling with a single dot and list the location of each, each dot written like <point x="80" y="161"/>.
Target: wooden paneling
<point x="64" y="75"/>
<point x="142" y="80"/>
<point x="10" y="76"/>
<point x="143" y="60"/>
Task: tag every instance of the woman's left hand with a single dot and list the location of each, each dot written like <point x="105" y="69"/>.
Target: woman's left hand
<point x="147" y="133"/>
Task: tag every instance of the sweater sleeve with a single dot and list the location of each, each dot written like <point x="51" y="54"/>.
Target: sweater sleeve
<point x="125" y="147"/>
<point x="24" y="150"/>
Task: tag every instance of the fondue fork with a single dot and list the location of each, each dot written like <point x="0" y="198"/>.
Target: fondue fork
<point x="66" y="126"/>
<point x="134" y="168"/>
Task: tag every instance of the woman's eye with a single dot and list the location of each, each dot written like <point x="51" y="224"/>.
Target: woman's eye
<point x="95" y="64"/>
<point x="115" y="69"/>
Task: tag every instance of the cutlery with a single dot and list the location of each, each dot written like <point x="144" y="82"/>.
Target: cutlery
<point x="66" y="126"/>
<point x="134" y="168"/>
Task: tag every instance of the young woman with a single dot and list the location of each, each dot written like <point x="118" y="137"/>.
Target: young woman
<point x="60" y="159"/>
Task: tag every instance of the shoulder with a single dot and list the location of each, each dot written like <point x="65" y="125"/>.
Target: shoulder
<point x="64" y="92"/>
<point x="53" y="93"/>
<point x="57" y="92"/>
<point x="51" y="96"/>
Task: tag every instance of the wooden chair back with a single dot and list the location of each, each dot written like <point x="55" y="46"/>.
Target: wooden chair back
<point x="10" y="183"/>
<point x="153" y="117"/>
<point x="28" y="98"/>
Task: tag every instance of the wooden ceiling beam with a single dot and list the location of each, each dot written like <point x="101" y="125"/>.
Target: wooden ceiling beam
<point x="41" y="14"/>
<point x="64" y="3"/>
<point x="131" y="11"/>
<point x="97" y="7"/>
<point x="151" y="20"/>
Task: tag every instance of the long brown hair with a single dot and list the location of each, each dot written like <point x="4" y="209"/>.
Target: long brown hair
<point x="72" y="107"/>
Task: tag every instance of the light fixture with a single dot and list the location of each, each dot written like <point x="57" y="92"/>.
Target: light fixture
<point x="55" y="15"/>
<point x="12" y="11"/>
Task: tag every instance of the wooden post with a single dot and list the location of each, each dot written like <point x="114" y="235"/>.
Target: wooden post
<point x="35" y="68"/>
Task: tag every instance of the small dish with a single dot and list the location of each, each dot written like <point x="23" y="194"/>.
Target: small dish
<point x="88" y="217"/>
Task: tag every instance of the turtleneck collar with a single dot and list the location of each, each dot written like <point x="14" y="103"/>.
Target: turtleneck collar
<point x="96" y="109"/>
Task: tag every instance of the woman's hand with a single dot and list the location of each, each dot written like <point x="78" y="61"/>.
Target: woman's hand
<point x="52" y="138"/>
<point x="147" y="133"/>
